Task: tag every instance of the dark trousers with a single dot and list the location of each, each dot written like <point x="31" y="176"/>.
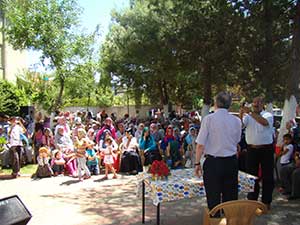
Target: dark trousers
<point x="265" y="158"/>
<point x="290" y="177"/>
<point x="220" y="177"/>
<point x="16" y="158"/>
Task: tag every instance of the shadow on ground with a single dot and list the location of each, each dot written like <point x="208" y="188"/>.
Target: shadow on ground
<point x="119" y="204"/>
<point x="6" y="177"/>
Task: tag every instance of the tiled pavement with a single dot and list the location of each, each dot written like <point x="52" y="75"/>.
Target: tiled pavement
<point x="65" y="201"/>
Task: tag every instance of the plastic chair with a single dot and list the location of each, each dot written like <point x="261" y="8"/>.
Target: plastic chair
<point x="237" y="212"/>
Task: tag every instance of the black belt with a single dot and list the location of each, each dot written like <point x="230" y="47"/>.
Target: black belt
<point x="261" y="146"/>
<point x="285" y="164"/>
<point x="220" y="157"/>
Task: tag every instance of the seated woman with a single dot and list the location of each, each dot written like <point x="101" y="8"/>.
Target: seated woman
<point x="130" y="159"/>
<point x="290" y="177"/>
<point x="64" y="143"/>
<point x="169" y="136"/>
<point x="173" y="154"/>
<point x="148" y="147"/>
<point x="190" y="144"/>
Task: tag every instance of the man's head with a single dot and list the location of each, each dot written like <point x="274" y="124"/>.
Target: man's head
<point x="258" y="104"/>
<point x="223" y="100"/>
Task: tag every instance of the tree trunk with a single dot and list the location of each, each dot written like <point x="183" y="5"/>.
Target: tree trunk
<point x="207" y="91"/>
<point x="294" y="79"/>
<point x="267" y="68"/>
<point x="292" y="93"/>
<point x="164" y="97"/>
<point x="58" y="102"/>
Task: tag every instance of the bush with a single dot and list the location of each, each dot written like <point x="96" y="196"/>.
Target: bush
<point x="11" y="98"/>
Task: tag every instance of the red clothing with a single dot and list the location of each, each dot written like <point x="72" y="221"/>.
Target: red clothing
<point x="111" y="129"/>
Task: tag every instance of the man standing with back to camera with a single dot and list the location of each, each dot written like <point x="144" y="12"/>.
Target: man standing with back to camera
<point x="218" y="138"/>
<point x="259" y="137"/>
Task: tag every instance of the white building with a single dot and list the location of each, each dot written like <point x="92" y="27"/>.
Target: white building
<point x="12" y="62"/>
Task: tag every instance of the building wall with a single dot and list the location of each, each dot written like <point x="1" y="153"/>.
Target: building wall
<point x="12" y="62"/>
<point x="1" y="47"/>
<point x="16" y="63"/>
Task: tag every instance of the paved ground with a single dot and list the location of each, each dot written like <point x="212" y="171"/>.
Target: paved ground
<point x="65" y="201"/>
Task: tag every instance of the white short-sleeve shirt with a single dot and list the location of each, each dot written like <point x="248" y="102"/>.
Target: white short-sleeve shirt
<point x="286" y="158"/>
<point x="220" y="133"/>
<point x="257" y="134"/>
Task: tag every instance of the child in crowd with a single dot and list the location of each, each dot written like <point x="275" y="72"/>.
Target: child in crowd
<point x="287" y="150"/>
<point x="81" y="144"/>
<point x="286" y="154"/>
<point x="58" y="163"/>
<point x="44" y="169"/>
<point x="48" y="139"/>
<point x="108" y="160"/>
<point x="92" y="162"/>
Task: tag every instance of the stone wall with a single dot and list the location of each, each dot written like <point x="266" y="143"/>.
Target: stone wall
<point x="119" y="111"/>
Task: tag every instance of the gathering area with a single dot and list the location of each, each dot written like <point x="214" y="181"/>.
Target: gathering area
<point x="155" y="112"/>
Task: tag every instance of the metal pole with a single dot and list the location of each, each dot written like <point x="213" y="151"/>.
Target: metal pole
<point x="158" y="214"/>
<point x="143" y="202"/>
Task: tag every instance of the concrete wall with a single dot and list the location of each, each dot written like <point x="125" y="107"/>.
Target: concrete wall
<point x="120" y="111"/>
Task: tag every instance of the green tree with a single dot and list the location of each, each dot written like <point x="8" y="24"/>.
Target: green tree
<point x="264" y="47"/>
<point x="50" y="27"/>
<point x="11" y="98"/>
<point x="173" y="51"/>
<point x="39" y="89"/>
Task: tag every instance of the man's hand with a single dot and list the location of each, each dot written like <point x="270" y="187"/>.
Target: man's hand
<point x="198" y="171"/>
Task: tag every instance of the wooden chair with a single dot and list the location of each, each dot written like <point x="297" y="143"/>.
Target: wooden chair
<point x="237" y="212"/>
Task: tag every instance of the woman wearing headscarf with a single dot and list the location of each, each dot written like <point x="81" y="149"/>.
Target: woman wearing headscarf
<point x="190" y="147"/>
<point x="108" y="125"/>
<point x="148" y="147"/>
<point x="130" y="159"/>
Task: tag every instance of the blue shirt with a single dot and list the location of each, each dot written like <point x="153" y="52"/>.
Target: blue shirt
<point x="148" y="144"/>
<point x="91" y="153"/>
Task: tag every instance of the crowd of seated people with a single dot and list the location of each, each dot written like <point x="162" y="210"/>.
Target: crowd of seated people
<point x="80" y="145"/>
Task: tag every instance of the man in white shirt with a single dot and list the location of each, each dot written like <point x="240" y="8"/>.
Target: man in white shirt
<point x="218" y="139"/>
<point x="259" y="137"/>
<point x="15" y="145"/>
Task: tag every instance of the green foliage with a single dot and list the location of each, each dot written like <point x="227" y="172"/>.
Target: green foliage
<point x="40" y="89"/>
<point x="180" y="53"/>
<point x="2" y="143"/>
<point x="52" y="28"/>
<point x="160" y="51"/>
<point x="10" y="98"/>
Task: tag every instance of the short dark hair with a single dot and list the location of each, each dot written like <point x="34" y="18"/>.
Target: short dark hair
<point x="288" y="136"/>
<point x="223" y="99"/>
